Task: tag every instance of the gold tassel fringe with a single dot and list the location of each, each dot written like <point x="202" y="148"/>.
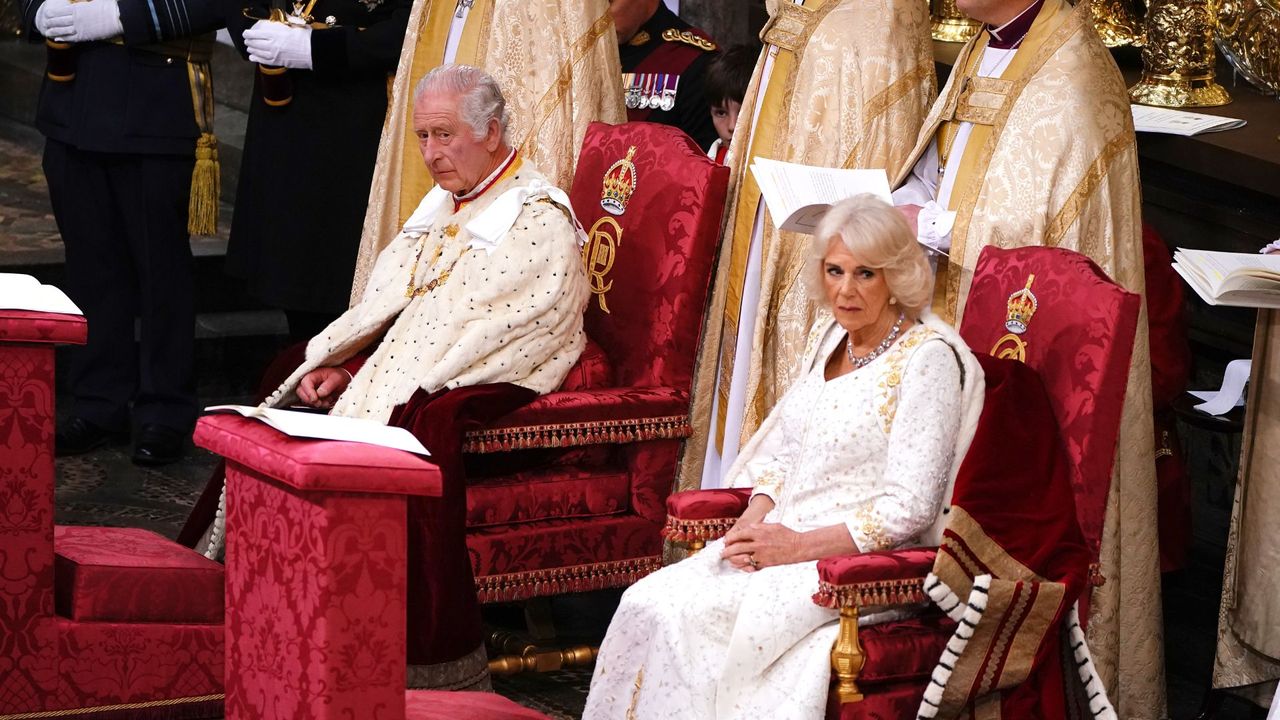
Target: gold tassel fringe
<point x="206" y="188"/>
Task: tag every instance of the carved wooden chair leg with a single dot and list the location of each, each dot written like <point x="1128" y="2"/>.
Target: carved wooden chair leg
<point x="696" y="545"/>
<point x="514" y="653"/>
<point x="847" y="657"/>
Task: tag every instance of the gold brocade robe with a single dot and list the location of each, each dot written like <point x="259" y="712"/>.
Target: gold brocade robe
<point x="557" y="65"/>
<point x="850" y="84"/>
<point x="1052" y="161"/>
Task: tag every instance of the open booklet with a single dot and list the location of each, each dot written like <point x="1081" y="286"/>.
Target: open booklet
<point x="1179" y="122"/>
<point x="319" y="426"/>
<point x="799" y="195"/>
<point x="1223" y="278"/>
<point x="23" y="292"/>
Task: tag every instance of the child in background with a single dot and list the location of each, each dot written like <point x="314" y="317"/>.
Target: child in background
<point x="728" y="75"/>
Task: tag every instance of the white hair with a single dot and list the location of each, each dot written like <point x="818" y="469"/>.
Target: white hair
<point x="481" y="98"/>
<point x="879" y="235"/>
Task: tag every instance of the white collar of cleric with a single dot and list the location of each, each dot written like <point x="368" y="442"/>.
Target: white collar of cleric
<point x="490" y="226"/>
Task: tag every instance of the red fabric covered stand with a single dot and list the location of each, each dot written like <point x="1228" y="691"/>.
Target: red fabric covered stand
<point x="94" y="622"/>
<point x="1036" y="474"/>
<point x="317" y="579"/>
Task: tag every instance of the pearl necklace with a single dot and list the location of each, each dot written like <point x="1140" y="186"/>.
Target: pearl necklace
<point x="880" y="349"/>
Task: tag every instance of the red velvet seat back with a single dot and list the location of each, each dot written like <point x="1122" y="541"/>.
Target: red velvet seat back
<point x="651" y="202"/>
<point x="1079" y="339"/>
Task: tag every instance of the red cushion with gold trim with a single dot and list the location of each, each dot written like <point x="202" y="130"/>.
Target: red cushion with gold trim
<point x="544" y="494"/>
<point x="904" y="650"/>
<point x="708" y="504"/>
<point x="457" y="705"/>
<point x="133" y="575"/>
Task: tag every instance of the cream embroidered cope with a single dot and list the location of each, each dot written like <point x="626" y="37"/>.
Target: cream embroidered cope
<point x="510" y="310"/>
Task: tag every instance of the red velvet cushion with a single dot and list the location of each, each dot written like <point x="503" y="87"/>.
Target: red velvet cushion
<point x="903" y="564"/>
<point x="597" y="405"/>
<point x="1079" y="340"/>
<point x="544" y="494"/>
<point x="590" y="372"/>
<point x="27" y="326"/>
<point x="446" y="705"/>
<point x="904" y="650"/>
<point x="133" y="575"/>
<point x="661" y="261"/>
<point x="892" y="701"/>
<point x="708" y="504"/>
<point x="317" y="464"/>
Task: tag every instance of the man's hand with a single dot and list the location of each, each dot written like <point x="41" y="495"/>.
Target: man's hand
<point x="751" y="546"/>
<point x="277" y="43"/>
<point x="84" y="21"/>
<point x="321" y="387"/>
<point x="912" y="214"/>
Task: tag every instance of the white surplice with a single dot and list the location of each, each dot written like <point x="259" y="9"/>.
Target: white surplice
<point x="873" y="450"/>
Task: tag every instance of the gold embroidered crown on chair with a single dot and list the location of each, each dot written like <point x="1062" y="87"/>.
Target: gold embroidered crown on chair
<point x="619" y="184"/>
<point x="1022" y="305"/>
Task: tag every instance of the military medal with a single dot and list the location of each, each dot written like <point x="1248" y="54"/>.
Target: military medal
<point x="633" y="91"/>
<point x="668" y="101"/>
<point x="659" y="90"/>
<point x="646" y="95"/>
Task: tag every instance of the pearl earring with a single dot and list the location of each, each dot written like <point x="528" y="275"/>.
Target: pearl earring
<point x="893" y="301"/>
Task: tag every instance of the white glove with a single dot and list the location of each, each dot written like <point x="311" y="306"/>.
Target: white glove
<point x="79" y="21"/>
<point x="1271" y="248"/>
<point x="277" y="43"/>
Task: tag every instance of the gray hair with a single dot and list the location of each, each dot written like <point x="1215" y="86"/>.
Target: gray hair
<point x="879" y="235"/>
<point x="481" y="98"/>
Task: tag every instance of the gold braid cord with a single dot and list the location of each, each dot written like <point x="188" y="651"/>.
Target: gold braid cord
<point x="560" y="435"/>
<point x="73" y="712"/>
<point x="511" y="587"/>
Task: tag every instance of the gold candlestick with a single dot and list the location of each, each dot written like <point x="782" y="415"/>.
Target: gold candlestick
<point x="948" y="24"/>
<point x="1178" y="58"/>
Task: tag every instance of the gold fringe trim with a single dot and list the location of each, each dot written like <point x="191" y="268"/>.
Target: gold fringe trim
<point x="111" y="708"/>
<point x="872" y="593"/>
<point x="561" y="435"/>
<point x="681" y="530"/>
<point x="512" y="587"/>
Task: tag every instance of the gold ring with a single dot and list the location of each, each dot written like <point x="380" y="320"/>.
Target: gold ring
<point x="751" y="560"/>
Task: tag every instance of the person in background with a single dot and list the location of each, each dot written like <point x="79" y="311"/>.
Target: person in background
<point x="728" y="75"/>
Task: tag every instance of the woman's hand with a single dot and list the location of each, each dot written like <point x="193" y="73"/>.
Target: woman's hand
<point x="751" y="546"/>
<point x="321" y="387"/>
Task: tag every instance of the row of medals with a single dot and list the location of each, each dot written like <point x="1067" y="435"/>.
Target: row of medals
<point x="651" y="91"/>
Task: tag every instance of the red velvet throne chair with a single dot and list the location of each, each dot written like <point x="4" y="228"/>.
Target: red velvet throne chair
<point x="1031" y="311"/>
<point x="94" y="622"/>
<point x="568" y="493"/>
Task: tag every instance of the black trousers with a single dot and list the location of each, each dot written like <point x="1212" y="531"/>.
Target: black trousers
<point x="123" y="219"/>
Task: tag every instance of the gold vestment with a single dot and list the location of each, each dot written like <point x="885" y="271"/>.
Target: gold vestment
<point x="1052" y="161"/>
<point x="557" y="65"/>
<point x="850" y="83"/>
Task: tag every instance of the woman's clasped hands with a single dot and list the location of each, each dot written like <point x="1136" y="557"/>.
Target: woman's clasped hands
<point x="750" y="546"/>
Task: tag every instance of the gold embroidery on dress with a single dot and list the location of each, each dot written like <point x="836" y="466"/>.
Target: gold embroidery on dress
<point x="869" y="522"/>
<point x="770" y="480"/>
<point x="635" y="695"/>
<point x="891" y="376"/>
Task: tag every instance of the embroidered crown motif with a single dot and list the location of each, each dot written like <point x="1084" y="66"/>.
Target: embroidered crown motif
<point x="619" y="184"/>
<point x="1022" y="305"/>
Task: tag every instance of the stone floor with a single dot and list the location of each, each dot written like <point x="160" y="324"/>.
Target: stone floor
<point x="105" y="488"/>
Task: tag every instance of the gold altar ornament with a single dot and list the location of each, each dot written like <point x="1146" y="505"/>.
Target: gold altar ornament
<point x="1178" y="58"/>
<point x="948" y="24"/>
<point x="1249" y="37"/>
<point x="1118" y="22"/>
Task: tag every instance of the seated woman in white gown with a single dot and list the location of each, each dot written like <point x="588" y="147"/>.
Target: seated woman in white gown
<point x="858" y="455"/>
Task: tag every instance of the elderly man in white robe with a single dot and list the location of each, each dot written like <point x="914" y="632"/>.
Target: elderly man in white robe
<point x="483" y="285"/>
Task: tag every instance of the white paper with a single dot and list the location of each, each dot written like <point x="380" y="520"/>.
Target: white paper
<point x="1231" y="394"/>
<point x="23" y="292"/>
<point x="799" y="195"/>
<point x="329" y="427"/>
<point x="1179" y="122"/>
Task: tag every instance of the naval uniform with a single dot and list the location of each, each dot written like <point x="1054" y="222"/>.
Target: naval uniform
<point x="663" y="70"/>
<point x="307" y="166"/>
<point x="120" y="139"/>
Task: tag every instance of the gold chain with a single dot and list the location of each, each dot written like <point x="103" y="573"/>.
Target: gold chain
<point x="450" y="232"/>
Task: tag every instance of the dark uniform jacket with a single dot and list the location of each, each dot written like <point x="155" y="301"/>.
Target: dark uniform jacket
<point x="307" y="166"/>
<point x="649" y="53"/>
<point x="130" y="97"/>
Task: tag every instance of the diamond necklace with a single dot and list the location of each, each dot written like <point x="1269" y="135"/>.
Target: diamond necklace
<point x="880" y="349"/>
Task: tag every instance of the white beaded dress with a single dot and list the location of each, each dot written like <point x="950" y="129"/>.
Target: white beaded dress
<point x="872" y="449"/>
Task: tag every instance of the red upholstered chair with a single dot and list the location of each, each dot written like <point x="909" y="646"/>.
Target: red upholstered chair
<point x="596" y="461"/>
<point x="1079" y="342"/>
<point x="317" y="578"/>
<point x="94" y="622"/>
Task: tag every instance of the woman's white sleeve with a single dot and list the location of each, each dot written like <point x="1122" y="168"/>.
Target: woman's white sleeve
<point x="922" y="441"/>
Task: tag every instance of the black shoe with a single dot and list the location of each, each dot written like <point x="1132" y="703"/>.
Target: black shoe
<point x="77" y="436"/>
<point x="158" y="445"/>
